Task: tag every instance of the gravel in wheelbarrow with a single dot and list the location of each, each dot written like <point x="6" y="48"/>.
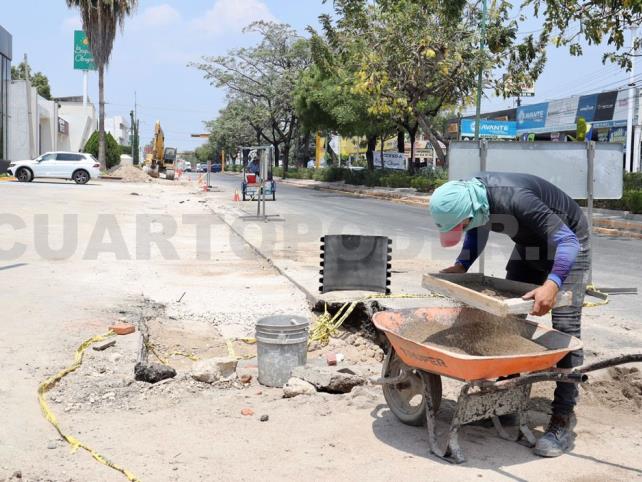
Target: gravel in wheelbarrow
<point x="470" y="344"/>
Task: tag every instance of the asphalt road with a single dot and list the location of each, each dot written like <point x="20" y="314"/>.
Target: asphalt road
<point x="308" y="214"/>
<point x="616" y="262"/>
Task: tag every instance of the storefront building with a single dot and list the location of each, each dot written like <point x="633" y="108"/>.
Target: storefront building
<point x="5" y="79"/>
<point x="605" y="114"/>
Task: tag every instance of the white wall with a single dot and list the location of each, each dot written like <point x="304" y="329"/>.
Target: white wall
<point x="82" y="122"/>
<point x="33" y="124"/>
<point x="47" y="125"/>
<point x="118" y="128"/>
<point x="23" y="131"/>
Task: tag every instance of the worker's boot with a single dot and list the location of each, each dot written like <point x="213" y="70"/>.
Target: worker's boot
<point x="558" y="436"/>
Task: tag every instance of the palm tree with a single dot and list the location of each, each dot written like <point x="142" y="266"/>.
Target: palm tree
<point x="99" y="21"/>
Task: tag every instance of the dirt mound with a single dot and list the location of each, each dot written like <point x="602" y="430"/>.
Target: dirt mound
<point x="129" y="174"/>
<point x="621" y="389"/>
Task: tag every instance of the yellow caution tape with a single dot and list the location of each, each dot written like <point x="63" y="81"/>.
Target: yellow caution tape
<point x="593" y="304"/>
<point x="232" y="353"/>
<point x="152" y="348"/>
<point x="327" y="326"/>
<point x="191" y="356"/>
<point x="50" y="382"/>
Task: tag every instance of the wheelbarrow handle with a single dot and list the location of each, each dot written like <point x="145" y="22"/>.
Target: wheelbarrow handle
<point x="610" y="362"/>
<point x="530" y="378"/>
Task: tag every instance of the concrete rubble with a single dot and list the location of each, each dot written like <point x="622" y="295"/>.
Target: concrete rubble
<point x="329" y="379"/>
<point x="153" y="372"/>
<point x="214" y="369"/>
<point x="295" y="387"/>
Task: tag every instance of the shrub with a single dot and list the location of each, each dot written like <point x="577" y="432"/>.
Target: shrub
<point x="632" y="201"/>
<point x="423" y="184"/>
<point x="112" y="149"/>
<point x="396" y="180"/>
<point x="633" y="181"/>
<point x="329" y="174"/>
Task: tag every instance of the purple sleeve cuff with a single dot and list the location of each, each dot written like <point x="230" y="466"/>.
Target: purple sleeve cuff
<point x="555" y="279"/>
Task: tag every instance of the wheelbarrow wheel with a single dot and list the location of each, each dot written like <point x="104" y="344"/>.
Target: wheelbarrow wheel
<point x="406" y="399"/>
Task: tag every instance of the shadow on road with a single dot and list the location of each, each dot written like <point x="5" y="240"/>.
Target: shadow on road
<point x="11" y="266"/>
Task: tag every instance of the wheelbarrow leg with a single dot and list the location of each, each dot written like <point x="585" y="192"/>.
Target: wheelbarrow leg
<point x="452" y="451"/>
<point x="523" y="433"/>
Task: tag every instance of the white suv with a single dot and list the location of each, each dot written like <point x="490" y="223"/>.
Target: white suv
<point x="79" y="166"/>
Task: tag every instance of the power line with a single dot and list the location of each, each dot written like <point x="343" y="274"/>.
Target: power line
<point x="175" y="109"/>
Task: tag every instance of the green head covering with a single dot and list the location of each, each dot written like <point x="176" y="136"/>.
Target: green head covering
<point x="457" y="201"/>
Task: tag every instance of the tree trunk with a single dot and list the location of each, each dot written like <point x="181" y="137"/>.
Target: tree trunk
<point x="383" y="143"/>
<point x="372" y="144"/>
<point x="286" y="156"/>
<point x="411" y="162"/>
<point x="101" y="117"/>
<point x="306" y="148"/>
<point x="441" y="155"/>
<point x="401" y="141"/>
<point x="276" y="154"/>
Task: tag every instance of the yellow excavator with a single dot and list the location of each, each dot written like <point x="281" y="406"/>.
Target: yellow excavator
<point x="162" y="159"/>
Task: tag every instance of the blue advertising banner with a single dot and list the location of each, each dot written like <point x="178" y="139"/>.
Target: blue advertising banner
<point x="586" y="107"/>
<point x="532" y="116"/>
<point x="489" y="128"/>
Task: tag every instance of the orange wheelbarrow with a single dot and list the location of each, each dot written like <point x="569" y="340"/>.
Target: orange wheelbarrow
<point x="412" y="371"/>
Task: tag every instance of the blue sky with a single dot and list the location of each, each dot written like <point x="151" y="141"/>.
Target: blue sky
<point x="150" y="57"/>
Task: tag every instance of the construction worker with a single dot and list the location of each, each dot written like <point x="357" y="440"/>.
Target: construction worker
<point x="255" y="166"/>
<point x="551" y="250"/>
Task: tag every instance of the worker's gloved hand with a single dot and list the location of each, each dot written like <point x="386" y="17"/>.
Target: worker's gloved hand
<point x="456" y="268"/>
<point x="544" y="297"/>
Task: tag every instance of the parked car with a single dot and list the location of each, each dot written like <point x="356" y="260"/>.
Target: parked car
<point x="200" y="167"/>
<point x="216" y="167"/>
<point x="79" y="166"/>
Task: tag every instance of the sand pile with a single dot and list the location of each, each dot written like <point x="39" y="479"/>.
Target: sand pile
<point x="129" y="174"/>
<point x="622" y="388"/>
<point x="481" y="337"/>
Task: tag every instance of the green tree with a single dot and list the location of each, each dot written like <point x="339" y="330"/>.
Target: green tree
<point x="264" y="77"/>
<point x="112" y="151"/>
<point x="22" y="71"/>
<point x="325" y="98"/>
<point x="234" y="128"/>
<point x="599" y="21"/>
<point x="422" y="56"/>
<point x="100" y="19"/>
<point x="205" y="153"/>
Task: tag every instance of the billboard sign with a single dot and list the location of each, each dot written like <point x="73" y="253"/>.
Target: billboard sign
<point x="561" y="113"/>
<point x="605" y="106"/>
<point x="489" y="129"/>
<point x="391" y="160"/>
<point x="532" y="116"/>
<point x="622" y="104"/>
<point x="586" y="107"/>
<point x="63" y="126"/>
<point x="83" y="58"/>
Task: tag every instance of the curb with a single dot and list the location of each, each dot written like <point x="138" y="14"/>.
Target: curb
<point x="617" y="233"/>
<point x="408" y="200"/>
<point x="619" y="224"/>
<point x="7" y="179"/>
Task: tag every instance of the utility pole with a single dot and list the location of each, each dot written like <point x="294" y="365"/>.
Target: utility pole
<point x="136" y="137"/>
<point x="482" y="45"/>
<point x="631" y="101"/>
